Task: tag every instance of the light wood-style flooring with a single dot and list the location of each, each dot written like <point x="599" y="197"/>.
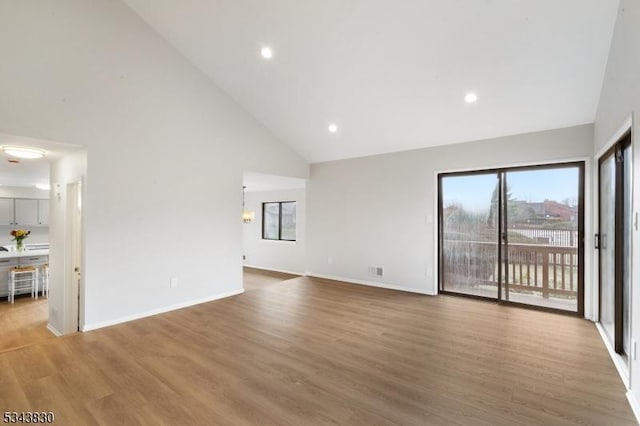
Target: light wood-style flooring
<point x="256" y="279"/>
<point x="309" y="351"/>
<point x="23" y="323"/>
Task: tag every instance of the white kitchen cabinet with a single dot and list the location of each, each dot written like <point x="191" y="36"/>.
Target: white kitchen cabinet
<point x="6" y="211"/>
<point x="36" y="260"/>
<point x="26" y="212"/>
<point x="43" y="212"/>
<point x="5" y="266"/>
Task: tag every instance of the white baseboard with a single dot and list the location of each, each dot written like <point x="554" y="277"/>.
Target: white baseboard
<point x="635" y="407"/>
<point x="371" y="283"/>
<point x="53" y="330"/>
<point x="274" y="270"/>
<point x="618" y="361"/>
<point x="94" y="326"/>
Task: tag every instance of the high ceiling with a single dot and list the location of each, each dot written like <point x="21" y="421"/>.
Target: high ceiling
<point x="393" y="74"/>
<point x="257" y="182"/>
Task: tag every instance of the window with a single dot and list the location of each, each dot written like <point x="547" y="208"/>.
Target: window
<point x="279" y="221"/>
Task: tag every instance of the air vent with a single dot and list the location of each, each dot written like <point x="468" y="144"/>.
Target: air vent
<point x="376" y="271"/>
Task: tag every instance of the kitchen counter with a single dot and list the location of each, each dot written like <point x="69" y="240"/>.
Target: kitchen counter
<point x="11" y="259"/>
<point x="25" y="253"/>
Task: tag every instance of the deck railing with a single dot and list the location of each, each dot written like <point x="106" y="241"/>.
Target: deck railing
<point x="545" y="269"/>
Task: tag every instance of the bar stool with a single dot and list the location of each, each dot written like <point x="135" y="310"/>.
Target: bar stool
<point x="23" y="278"/>
<point x="45" y="280"/>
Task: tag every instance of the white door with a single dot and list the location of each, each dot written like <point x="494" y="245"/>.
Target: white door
<point x="73" y="284"/>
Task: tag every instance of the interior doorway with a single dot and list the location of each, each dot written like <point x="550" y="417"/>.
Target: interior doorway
<point x="613" y="242"/>
<point x="29" y="203"/>
<point x="514" y="235"/>
<point x="273" y="228"/>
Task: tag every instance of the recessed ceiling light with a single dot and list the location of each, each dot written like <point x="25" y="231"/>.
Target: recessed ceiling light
<point x="470" y="98"/>
<point x="266" y="52"/>
<point x="333" y="127"/>
<point x="43" y="186"/>
<point x="23" y="152"/>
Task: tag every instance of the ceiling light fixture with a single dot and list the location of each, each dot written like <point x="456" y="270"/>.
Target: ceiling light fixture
<point x="470" y="98"/>
<point x="43" y="186"/>
<point x="266" y="52"/>
<point x="23" y="152"/>
<point x="333" y="127"/>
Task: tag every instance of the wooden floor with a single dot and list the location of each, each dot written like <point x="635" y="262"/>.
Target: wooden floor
<point x="23" y="323"/>
<point x="256" y="279"/>
<point x="308" y="351"/>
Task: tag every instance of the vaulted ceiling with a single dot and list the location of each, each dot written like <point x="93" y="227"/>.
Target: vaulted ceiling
<point x="392" y="75"/>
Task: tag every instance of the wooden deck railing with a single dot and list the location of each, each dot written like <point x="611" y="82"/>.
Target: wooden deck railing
<point x="549" y="270"/>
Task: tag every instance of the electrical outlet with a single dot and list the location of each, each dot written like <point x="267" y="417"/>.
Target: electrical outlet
<point x="244" y="257"/>
<point x="329" y="260"/>
<point x="173" y="283"/>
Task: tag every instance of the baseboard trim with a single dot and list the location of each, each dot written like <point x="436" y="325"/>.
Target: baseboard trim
<point x="635" y="407"/>
<point x="95" y="326"/>
<point x="53" y="330"/>
<point x="273" y="269"/>
<point x="618" y="362"/>
<point x="370" y="283"/>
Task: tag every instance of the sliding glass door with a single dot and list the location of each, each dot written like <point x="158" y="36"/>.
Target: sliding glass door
<point x="613" y="242"/>
<point x="605" y="242"/>
<point x="542" y="259"/>
<point x="469" y="229"/>
<point x="514" y="235"/>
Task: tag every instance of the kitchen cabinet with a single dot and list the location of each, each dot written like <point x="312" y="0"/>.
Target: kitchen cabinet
<point x="26" y="212"/>
<point x="6" y="211"/>
<point x="5" y="267"/>
<point x="43" y="212"/>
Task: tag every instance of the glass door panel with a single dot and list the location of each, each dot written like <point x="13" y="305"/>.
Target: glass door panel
<point x="541" y="257"/>
<point x="626" y="247"/>
<point x="469" y="234"/>
<point x="614" y="232"/>
<point x="607" y="244"/>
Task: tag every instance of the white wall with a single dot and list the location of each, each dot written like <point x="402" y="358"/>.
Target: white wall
<point x="379" y="211"/>
<point x="285" y="256"/>
<point x="620" y="98"/>
<point x="165" y="151"/>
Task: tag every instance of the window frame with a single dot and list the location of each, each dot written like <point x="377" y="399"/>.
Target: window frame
<point x="279" y="203"/>
<point x="581" y="165"/>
